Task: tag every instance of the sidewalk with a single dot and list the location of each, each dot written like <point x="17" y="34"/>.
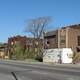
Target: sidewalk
<point x="77" y="66"/>
<point x="46" y="64"/>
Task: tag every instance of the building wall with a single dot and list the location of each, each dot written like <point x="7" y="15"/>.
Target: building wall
<point x="3" y="50"/>
<point x="51" y="41"/>
<point x="69" y="38"/>
<point x="66" y="37"/>
<point x="25" y="43"/>
<point x="59" y="41"/>
<point x="73" y="38"/>
<point x="62" y="38"/>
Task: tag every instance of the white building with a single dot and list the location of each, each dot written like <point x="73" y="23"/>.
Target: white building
<point x="63" y="55"/>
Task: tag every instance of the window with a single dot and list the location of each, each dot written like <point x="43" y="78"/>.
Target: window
<point x="62" y="41"/>
<point x="78" y="49"/>
<point x="48" y="42"/>
<point x="29" y="42"/>
<point x="48" y="37"/>
<point x="78" y="40"/>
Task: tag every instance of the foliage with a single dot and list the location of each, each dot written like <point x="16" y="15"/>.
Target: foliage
<point x="39" y="54"/>
<point x="18" y="51"/>
<point x="76" y="58"/>
<point x="29" y="54"/>
<point x="31" y="60"/>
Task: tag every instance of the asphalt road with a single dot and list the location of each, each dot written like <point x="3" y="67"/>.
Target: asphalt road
<point x="28" y="71"/>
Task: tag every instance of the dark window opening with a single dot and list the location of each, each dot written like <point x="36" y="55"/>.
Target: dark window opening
<point x="53" y="36"/>
<point x="78" y="40"/>
<point x="78" y="49"/>
<point x="62" y="41"/>
<point x="48" y="42"/>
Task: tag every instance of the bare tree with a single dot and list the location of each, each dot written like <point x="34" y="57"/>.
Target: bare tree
<point x="37" y="27"/>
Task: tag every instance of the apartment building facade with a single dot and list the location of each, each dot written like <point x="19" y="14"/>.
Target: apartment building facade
<point x="66" y="37"/>
<point x="25" y="42"/>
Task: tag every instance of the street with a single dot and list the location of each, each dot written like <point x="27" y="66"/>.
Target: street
<point x="28" y="71"/>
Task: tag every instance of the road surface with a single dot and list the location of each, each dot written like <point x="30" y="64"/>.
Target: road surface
<point x="28" y="71"/>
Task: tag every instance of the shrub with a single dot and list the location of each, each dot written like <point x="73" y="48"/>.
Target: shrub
<point x="76" y="58"/>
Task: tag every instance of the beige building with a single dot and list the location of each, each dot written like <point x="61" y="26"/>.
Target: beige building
<point x="3" y="51"/>
<point x="66" y="37"/>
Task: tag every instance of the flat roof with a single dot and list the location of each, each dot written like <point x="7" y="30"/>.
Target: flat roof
<point x="51" y="33"/>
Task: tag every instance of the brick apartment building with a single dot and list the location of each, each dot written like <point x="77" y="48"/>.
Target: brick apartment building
<point x="25" y="42"/>
<point x="66" y="37"/>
